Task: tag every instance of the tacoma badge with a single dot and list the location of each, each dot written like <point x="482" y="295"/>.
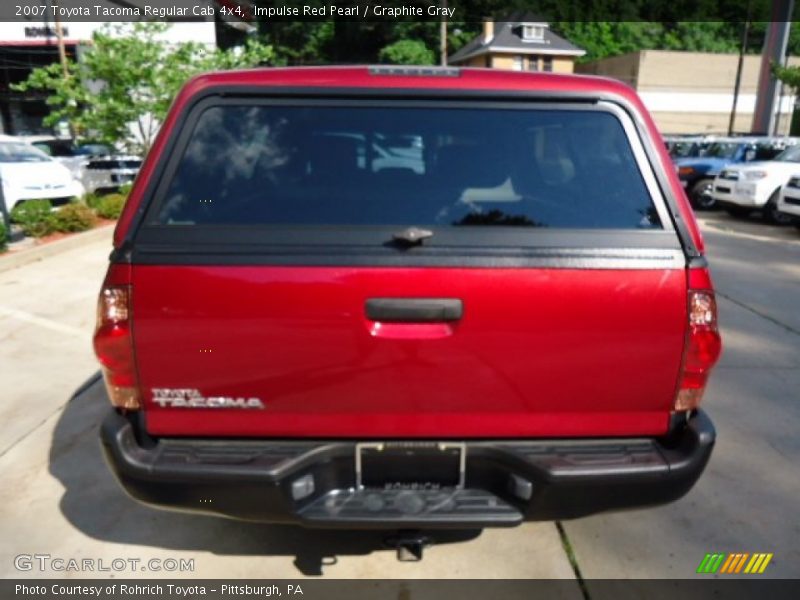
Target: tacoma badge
<point x="192" y="398"/>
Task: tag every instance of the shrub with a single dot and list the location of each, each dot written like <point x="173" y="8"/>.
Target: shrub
<point x="92" y="200"/>
<point x="3" y="236"/>
<point x="73" y="217"/>
<point x="125" y="189"/>
<point x="110" y="207"/>
<point x="34" y="217"/>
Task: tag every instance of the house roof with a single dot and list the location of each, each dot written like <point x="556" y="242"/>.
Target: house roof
<point x="508" y="38"/>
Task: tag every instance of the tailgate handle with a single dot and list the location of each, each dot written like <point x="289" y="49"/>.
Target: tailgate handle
<point x="414" y="310"/>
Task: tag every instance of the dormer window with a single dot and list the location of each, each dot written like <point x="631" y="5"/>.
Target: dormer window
<point x="532" y="33"/>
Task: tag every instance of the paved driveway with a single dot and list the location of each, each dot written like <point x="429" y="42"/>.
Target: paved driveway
<point x="58" y="498"/>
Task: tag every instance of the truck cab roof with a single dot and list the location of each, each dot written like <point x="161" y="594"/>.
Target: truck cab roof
<point x="443" y="78"/>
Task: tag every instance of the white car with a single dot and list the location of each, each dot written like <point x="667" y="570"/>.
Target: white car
<point x="104" y="174"/>
<point x="73" y="156"/>
<point x="789" y="199"/>
<point x="28" y="174"/>
<point x="61" y="150"/>
<point x="740" y="189"/>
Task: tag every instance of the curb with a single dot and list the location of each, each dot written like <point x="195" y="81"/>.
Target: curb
<point x="37" y="253"/>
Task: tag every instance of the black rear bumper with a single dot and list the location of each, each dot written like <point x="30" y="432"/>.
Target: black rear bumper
<point x="313" y="482"/>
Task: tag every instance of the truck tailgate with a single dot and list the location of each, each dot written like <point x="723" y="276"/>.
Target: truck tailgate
<point x="536" y="352"/>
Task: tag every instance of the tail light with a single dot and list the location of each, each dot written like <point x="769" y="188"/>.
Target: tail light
<point x="703" y="345"/>
<point x="113" y="345"/>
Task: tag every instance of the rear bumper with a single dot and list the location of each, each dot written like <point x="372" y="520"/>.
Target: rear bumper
<point x="506" y="481"/>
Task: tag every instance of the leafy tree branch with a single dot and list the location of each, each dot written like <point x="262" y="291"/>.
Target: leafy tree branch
<point x="121" y="89"/>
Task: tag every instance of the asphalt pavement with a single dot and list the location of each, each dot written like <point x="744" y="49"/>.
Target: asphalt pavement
<point x="58" y="497"/>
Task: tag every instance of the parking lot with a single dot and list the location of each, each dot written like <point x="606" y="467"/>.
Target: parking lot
<point x="58" y="498"/>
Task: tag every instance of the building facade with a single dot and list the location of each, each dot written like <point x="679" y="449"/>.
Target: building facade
<point x="692" y="92"/>
<point x="521" y="44"/>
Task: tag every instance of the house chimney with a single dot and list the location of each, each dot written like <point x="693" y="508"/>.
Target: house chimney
<point x="488" y="29"/>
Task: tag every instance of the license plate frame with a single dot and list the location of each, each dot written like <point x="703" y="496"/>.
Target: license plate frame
<point x="451" y="452"/>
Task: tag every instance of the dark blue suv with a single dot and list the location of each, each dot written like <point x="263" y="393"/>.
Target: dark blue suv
<point x="697" y="173"/>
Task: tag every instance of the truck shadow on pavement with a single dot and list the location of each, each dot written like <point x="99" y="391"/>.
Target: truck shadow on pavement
<point x="95" y="504"/>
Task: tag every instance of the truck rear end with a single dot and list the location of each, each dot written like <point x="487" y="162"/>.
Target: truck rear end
<point x="438" y="298"/>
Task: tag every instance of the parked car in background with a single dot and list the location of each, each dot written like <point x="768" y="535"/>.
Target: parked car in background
<point x="697" y="173"/>
<point x="104" y="174"/>
<point x="97" y="166"/>
<point x="27" y="173"/>
<point x="71" y="155"/>
<point x="789" y="199"/>
<point x="687" y="146"/>
<point x="741" y="189"/>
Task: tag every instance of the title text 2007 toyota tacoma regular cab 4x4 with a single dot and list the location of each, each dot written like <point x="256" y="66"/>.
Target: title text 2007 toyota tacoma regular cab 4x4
<point x="379" y="297"/>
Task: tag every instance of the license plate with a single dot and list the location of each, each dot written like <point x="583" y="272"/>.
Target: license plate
<point x="410" y="465"/>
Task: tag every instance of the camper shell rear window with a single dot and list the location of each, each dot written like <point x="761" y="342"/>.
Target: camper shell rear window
<point x="286" y="165"/>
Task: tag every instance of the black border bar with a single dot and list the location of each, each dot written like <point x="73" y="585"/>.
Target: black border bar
<point x="695" y="587"/>
<point x="387" y="11"/>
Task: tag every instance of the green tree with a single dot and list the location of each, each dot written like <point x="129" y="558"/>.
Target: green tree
<point x="300" y="42"/>
<point x="610" y="38"/>
<point x="123" y="86"/>
<point x="788" y="75"/>
<point x="407" y="52"/>
<point x="707" y="36"/>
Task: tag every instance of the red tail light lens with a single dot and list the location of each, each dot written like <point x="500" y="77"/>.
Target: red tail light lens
<point x="703" y="348"/>
<point x="113" y="345"/>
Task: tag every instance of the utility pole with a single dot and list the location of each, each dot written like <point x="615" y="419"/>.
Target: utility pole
<point x="443" y="38"/>
<point x="774" y="52"/>
<point x="62" y="53"/>
<point x="737" y="85"/>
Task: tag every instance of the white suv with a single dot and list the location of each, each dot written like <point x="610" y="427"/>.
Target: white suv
<point x="741" y="189"/>
<point x="789" y="199"/>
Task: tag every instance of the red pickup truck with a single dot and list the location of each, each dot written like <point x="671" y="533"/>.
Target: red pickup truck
<point x="406" y="297"/>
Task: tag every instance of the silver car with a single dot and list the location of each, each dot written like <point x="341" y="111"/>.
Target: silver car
<point x="107" y="173"/>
